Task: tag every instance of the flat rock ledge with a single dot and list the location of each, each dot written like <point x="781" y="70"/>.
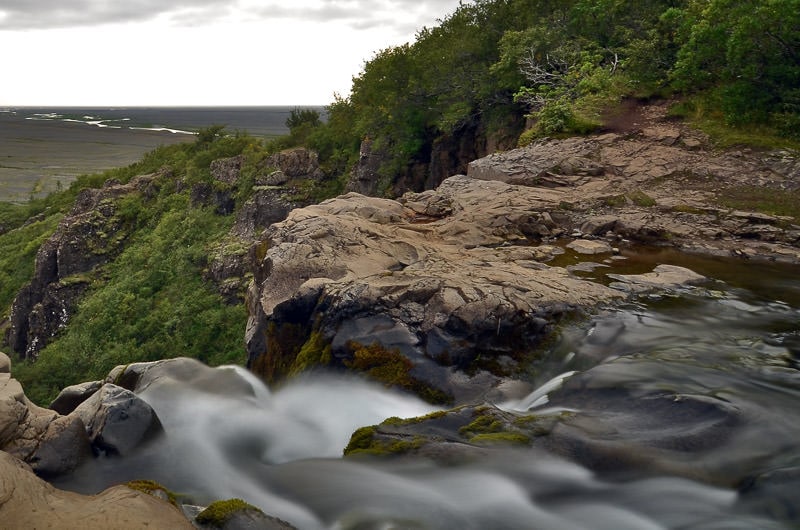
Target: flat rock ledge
<point x="449" y="286"/>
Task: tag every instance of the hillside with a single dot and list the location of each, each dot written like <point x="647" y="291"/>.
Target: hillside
<point x="144" y="262"/>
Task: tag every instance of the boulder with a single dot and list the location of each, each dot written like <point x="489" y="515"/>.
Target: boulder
<point x="227" y="170"/>
<point x="26" y="501"/>
<point x="589" y="246"/>
<point x="52" y="444"/>
<point x="663" y="277"/>
<point x="72" y="396"/>
<point x="297" y="162"/>
<point x="117" y="420"/>
<point x="138" y="377"/>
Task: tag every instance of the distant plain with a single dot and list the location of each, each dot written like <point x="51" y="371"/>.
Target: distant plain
<point x="42" y="150"/>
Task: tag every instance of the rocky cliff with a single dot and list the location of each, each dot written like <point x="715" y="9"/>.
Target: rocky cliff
<point x="89" y="236"/>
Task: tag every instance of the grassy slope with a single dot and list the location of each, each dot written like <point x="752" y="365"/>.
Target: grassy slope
<point x="151" y="302"/>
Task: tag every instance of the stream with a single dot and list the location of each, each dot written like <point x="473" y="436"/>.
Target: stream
<point x="685" y="415"/>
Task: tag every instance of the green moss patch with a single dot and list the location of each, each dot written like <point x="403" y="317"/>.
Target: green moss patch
<point x="218" y="513"/>
<point x="392" y="369"/>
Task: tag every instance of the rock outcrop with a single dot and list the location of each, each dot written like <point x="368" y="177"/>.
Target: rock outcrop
<point x="36" y="441"/>
<point x="658" y="183"/>
<point x="445" y="283"/>
<point x="89" y="236"/>
<point x="27" y="501"/>
<point x="109" y="419"/>
<point x="274" y="195"/>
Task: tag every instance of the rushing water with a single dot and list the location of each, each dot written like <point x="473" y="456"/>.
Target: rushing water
<point x="686" y="412"/>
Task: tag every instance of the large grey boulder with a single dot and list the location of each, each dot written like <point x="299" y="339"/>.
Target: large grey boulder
<point x="117" y="420"/>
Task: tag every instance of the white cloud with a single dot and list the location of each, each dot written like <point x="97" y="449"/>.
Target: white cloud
<point x="197" y="52"/>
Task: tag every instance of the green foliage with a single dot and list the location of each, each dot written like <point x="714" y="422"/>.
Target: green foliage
<point x="151" y="302"/>
<point x="155" y="489"/>
<point x="587" y="54"/>
<point x="746" y="55"/>
<point x="315" y="353"/>
<point x="18" y="249"/>
<point x="761" y="199"/>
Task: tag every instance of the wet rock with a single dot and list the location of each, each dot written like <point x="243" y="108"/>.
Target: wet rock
<point x="589" y="246"/>
<point x="72" y="396"/>
<point x="663" y="277"/>
<point x="235" y="514"/>
<point x="117" y="421"/>
<point x="138" y="377"/>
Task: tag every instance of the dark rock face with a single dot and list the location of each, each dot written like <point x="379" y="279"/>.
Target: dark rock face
<point x="364" y="176"/>
<point x="88" y="237"/>
<point x="442" y="157"/>
<point x="227" y="170"/>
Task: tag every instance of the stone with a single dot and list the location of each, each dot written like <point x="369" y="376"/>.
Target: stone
<point x="663" y="277"/>
<point x="63" y="447"/>
<point x="117" y="420"/>
<point x="52" y="444"/>
<point x="227" y="170"/>
<point x="589" y="246"/>
<point x="599" y="224"/>
<point x="72" y="396"/>
<point x="276" y="178"/>
<point x="297" y="162"/>
<point x="27" y="501"/>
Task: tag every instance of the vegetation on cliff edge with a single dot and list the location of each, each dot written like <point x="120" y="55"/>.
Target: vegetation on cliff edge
<point x="492" y="62"/>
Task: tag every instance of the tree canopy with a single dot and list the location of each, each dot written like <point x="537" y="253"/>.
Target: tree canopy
<point x="563" y="62"/>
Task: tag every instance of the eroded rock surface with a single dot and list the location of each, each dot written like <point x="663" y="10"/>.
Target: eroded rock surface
<point x="27" y="501"/>
<point x="659" y="182"/>
<point x="52" y="444"/>
<point x="448" y="279"/>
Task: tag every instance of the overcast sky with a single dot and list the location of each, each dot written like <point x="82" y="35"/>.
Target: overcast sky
<point x="196" y="52"/>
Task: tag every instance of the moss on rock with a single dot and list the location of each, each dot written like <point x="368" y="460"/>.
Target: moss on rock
<point x="391" y="368"/>
<point x="218" y="513"/>
<point x="153" y="488"/>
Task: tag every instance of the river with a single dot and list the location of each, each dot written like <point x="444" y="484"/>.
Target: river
<point x="685" y="412"/>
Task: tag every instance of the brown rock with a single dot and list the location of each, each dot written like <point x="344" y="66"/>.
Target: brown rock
<point x="28" y="502"/>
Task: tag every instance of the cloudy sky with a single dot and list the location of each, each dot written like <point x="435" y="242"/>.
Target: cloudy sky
<point x="196" y="52"/>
